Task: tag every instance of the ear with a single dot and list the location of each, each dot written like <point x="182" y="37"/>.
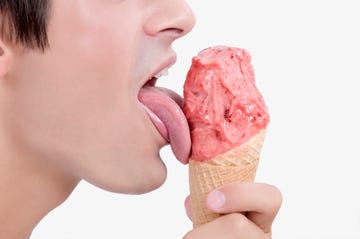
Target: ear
<point x="5" y="58"/>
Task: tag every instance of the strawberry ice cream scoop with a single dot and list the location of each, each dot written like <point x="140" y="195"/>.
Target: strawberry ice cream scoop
<point x="221" y="102"/>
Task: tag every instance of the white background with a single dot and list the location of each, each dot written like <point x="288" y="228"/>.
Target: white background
<point x="306" y="60"/>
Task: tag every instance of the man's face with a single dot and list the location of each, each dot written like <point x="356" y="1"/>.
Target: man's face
<point x="77" y="104"/>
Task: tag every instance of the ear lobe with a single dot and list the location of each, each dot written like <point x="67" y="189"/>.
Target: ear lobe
<point x="5" y="59"/>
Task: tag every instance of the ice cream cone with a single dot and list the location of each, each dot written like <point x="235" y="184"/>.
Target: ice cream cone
<point x="236" y="165"/>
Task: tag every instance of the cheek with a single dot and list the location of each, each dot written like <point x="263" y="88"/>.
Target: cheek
<point x="82" y="83"/>
<point x="59" y="103"/>
<point x="94" y="53"/>
<point x="104" y="41"/>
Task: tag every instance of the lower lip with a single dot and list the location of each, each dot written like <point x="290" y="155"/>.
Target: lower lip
<point x="160" y="126"/>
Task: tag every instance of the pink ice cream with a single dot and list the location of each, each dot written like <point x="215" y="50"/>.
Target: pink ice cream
<point x="221" y="102"/>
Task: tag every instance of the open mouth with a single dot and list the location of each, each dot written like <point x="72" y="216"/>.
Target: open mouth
<point x="164" y="108"/>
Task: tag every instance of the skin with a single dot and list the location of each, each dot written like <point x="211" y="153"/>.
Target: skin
<point x="64" y="115"/>
<point x="249" y="210"/>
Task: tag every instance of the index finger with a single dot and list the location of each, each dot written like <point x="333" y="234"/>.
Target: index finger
<point x="258" y="201"/>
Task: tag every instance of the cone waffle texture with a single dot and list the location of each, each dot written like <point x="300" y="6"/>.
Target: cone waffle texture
<point x="239" y="164"/>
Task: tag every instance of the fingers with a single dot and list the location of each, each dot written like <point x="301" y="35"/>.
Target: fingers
<point x="187" y="207"/>
<point x="259" y="202"/>
<point x="249" y="210"/>
<point x="231" y="226"/>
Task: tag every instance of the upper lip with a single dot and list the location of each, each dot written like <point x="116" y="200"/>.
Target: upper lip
<point x="168" y="62"/>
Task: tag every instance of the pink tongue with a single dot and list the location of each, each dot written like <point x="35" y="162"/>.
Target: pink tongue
<point x="165" y="104"/>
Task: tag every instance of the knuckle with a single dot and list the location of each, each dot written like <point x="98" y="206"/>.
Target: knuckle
<point x="236" y="222"/>
<point x="276" y="198"/>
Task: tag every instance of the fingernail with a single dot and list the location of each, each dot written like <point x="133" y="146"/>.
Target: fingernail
<point x="216" y="199"/>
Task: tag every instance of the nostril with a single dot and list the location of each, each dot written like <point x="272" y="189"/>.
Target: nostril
<point x="173" y="31"/>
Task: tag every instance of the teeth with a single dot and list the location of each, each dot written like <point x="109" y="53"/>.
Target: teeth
<point x="164" y="72"/>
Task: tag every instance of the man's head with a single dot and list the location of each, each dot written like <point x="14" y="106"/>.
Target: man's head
<point x="25" y="22"/>
<point x="76" y="104"/>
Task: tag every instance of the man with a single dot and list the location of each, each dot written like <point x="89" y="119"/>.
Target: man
<point x="70" y="76"/>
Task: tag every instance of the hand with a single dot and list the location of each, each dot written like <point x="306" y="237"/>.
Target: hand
<point x="249" y="210"/>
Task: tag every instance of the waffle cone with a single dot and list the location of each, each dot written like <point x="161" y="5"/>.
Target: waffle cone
<point x="236" y="165"/>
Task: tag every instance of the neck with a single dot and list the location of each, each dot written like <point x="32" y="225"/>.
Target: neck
<point x="29" y="189"/>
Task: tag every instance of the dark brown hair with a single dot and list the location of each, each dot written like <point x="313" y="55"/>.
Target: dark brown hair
<point x="25" y="22"/>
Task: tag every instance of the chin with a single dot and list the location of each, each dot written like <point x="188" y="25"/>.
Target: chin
<point x="147" y="183"/>
<point x="139" y="181"/>
<point x="148" y="186"/>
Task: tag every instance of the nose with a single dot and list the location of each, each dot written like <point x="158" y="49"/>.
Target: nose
<point x="169" y="18"/>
